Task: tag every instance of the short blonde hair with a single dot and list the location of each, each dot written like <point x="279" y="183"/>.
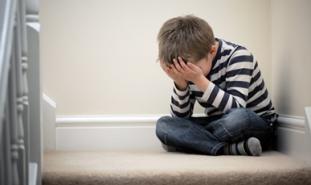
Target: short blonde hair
<point x="189" y="37"/>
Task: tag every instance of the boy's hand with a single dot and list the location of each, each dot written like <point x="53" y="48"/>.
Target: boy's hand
<point x="189" y="71"/>
<point x="176" y="76"/>
<point x="192" y="73"/>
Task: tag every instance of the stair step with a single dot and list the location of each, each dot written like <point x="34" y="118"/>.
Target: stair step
<point x="144" y="168"/>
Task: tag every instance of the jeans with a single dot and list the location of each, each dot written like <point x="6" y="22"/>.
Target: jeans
<point x="207" y="135"/>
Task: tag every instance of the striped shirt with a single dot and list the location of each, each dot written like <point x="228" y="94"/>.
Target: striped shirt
<point x="235" y="82"/>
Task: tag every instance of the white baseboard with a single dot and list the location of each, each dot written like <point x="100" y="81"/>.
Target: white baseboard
<point x="107" y="132"/>
<point x="293" y="137"/>
<point x="292" y="122"/>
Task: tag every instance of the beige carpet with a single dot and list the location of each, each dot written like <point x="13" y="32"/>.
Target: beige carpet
<point x="155" y="168"/>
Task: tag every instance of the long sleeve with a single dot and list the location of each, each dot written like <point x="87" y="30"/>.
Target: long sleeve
<point x="181" y="102"/>
<point x="238" y="77"/>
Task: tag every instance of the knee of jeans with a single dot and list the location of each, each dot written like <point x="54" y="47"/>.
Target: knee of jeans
<point x="161" y="126"/>
<point x="238" y="116"/>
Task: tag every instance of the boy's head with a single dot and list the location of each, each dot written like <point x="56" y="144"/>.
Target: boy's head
<point x="188" y="36"/>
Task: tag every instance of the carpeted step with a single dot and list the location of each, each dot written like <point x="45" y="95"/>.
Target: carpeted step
<point x="159" y="168"/>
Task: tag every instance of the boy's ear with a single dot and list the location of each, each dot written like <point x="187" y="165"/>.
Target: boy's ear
<point x="213" y="49"/>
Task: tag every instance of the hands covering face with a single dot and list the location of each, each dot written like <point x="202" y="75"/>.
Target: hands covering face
<point x="182" y="72"/>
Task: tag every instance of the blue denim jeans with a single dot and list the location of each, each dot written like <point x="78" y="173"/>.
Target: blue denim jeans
<point x="207" y="135"/>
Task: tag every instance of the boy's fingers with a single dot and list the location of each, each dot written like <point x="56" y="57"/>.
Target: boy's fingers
<point x="180" y="59"/>
<point x="183" y="65"/>
<point x="177" y="66"/>
<point x="174" y="70"/>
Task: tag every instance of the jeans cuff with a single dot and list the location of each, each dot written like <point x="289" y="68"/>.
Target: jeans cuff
<point x="217" y="147"/>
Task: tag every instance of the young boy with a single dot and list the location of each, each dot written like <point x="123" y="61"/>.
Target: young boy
<point x="225" y="79"/>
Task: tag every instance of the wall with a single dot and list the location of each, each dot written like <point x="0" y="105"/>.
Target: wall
<point x="291" y="56"/>
<point x="99" y="56"/>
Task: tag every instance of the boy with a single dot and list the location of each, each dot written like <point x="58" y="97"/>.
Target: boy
<point x="225" y="79"/>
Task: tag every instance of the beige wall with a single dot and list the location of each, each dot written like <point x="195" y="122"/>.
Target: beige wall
<point x="291" y="55"/>
<point x="98" y="56"/>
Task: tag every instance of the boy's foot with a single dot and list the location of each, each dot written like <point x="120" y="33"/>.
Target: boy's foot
<point x="251" y="147"/>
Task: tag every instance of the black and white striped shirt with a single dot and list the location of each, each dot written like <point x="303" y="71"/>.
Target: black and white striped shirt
<point x="235" y="81"/>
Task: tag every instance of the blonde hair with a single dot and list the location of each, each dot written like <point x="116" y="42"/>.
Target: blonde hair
<point x="189" y="37"/>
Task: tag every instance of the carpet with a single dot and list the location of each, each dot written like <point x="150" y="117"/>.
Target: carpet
<point x="172" y="168"/>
